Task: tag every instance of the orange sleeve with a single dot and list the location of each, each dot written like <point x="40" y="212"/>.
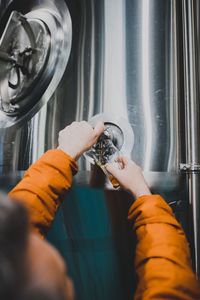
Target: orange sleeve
<point x="162" y="261"/>
<point x="43" y="186"/>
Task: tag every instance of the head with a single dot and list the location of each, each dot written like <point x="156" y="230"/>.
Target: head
<point x="30" y="268"/>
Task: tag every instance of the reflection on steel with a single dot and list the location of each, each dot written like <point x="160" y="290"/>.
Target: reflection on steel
<point x="192" y="114"/>
<point x="132" y="74"/>
<point x="146" y="84"/>
<point x="136" y="77"/>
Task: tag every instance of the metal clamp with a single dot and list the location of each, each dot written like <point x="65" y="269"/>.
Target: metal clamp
<point x="195" y="167"/>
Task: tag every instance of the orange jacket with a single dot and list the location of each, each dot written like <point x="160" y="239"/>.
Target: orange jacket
<point x="162" y="259"/>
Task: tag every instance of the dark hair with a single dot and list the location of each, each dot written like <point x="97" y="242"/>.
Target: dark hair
<point x="13" y="237"/>
<point x="14" y="226"/>
<point x="42" y="294"/>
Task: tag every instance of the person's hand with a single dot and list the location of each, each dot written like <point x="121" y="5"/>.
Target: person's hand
<point x="129" y="176"/>
<point x="78" y="137"/>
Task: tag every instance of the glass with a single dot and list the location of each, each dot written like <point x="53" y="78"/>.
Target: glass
<point x="107" y="150"/>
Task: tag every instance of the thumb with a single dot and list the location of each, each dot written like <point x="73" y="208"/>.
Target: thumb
<point x="112" y="169"/>
<point x="99" y="129"/>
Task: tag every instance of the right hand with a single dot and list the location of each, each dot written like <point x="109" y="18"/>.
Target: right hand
<point x="78" y="137"/>
<point x="129" y="176"/>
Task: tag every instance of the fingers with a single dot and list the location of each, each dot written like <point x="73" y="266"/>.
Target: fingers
<point x="112" y="169"/>
<point x="99" y="129"/>
<point x="116" y="169"/>
<point x="123" y="160"/>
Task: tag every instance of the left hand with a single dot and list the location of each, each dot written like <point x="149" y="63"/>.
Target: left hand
<point x="78" y="137"/>
<point x="129" y="176"/>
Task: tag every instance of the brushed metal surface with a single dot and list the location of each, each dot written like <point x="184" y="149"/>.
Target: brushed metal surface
<point x="124" y="61"/>
<point x="127" y="66"/>
<point x="191" y="19"/>
<point x="56" y="18"/>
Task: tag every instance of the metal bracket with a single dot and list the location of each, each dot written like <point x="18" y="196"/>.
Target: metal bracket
<point x="190" y="167"/>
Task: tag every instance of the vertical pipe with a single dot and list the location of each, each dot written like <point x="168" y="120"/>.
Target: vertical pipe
<point x="146" y="93"/>
<point x="192" y="124"/>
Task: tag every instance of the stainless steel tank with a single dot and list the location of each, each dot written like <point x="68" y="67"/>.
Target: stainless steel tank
<point x="124" y="63"/>
<point x="127" y="59"/>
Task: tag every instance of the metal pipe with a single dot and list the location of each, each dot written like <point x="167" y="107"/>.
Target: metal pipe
<point x="192" y="124"/>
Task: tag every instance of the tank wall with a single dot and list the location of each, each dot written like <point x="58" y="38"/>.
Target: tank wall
<point x="124" y="61"/>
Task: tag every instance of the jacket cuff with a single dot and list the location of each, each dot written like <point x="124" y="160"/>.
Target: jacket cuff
<point x="61" y="160"/>
<point x="150" y="209"/>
